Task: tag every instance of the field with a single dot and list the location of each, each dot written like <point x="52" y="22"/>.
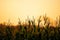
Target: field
<point x="30" y="31"/>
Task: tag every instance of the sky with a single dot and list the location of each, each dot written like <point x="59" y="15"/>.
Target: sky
<point x="14" y="9"/>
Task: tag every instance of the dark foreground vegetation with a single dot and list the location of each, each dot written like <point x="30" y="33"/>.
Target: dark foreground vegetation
<point x="30" y="31"/>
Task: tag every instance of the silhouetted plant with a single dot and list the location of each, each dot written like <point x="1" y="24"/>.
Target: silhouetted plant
<point x="30" y="32"/>
<point x="45" y="19"/>
<point x="39" y="20"/>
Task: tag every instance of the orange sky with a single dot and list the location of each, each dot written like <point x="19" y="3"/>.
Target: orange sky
<point x="12" y="9"/>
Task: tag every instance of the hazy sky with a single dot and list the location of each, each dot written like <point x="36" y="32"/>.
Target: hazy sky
<point x="12" y="9"/>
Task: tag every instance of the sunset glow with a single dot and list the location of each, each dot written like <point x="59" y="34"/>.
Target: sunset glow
<point x="14" y="9"/>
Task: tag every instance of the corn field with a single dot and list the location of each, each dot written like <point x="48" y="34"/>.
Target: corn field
<point x="31" y="31"/>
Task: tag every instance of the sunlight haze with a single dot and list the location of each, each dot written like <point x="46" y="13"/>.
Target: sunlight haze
<point x="14" y="9"/>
